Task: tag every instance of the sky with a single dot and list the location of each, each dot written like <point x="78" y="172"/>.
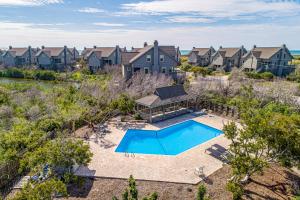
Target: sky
<point x="183" y="23"/>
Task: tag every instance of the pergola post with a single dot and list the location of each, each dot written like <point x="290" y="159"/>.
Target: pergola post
<point x="150" y="118"/>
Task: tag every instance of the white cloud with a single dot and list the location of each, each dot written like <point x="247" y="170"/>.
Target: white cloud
<point x="187" y="19"/>
<point x="91" y="10"/>
<point x="214" y="8"/>
<point x="22" y="34"/>
<point x="28" y="2"/>
<point x="108" y="24"/>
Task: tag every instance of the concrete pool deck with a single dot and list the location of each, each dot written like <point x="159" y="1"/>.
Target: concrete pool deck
<point x="178" y="169"/>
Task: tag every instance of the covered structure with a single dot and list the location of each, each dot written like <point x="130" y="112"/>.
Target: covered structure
<point x="164" y="103"/>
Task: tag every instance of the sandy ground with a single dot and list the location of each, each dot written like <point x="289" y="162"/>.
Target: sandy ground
<point x="275" y="183"/>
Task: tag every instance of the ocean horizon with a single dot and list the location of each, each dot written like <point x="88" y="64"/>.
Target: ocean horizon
<point x="293" y="52"/>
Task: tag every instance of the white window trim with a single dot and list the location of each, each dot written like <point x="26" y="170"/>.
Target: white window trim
<point x="161" y="58"/>
<point x="148" y="56"/>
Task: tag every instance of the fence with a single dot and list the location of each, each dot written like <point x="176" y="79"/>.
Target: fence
<point x="220" y="109"/>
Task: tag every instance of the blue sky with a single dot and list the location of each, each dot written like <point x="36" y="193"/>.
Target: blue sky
<point x="184" y="23"/>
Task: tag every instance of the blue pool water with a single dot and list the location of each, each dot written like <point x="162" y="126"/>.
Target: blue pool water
<point x="172" y="140"/>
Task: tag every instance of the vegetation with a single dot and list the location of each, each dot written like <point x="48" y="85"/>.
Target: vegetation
<point x="270" y="134"/>
<point x="265" y="75"/>
<point x="131" y="193"/>
<point x="201" y="193"/>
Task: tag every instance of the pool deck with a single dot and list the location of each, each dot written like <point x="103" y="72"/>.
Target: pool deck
<point x="178" y="169"/>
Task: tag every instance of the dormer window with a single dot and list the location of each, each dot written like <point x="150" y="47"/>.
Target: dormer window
<point x="163" y="70"/>
<point x="162" y="58"/>
<point x="148" y="58"/>
<point x="146" y="70"/>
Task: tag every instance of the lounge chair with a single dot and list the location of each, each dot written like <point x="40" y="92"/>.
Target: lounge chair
<point x="199" y="171"/>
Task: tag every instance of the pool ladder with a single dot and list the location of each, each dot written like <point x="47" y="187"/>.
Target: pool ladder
<point x="128" y="155"/>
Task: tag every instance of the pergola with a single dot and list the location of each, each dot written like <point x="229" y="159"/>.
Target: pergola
<point x="164" y="103"/>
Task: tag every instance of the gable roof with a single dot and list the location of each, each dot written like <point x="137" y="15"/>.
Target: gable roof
<point x="17" y="51"/>
<point x="265" y="52"/>
<point x="228" y="52"/>
<point x="51" y="51"/>
<point x="127" y="56"/>
<point x="170" y="51"/>
<point x="200" y="51"/>
<point x="96" y="52"/>
<point x="164" y="95"/>
<point x="105" y="51"/>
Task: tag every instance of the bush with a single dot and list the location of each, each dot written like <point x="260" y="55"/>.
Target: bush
<point x="265" y="75"/>
<point x="201" y="192"/>
<point x="200" y="70"/>
<point x="186" y="67"/>
<point x="137" y="117"/>
<point x="236" y="190"/>
<point x="13" y="73"/>
<point x="45" y="75"/>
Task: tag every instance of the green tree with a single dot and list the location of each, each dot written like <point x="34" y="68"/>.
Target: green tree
<point x="131" y="193"/>
<point x="58" y="154"/>
<point x="201" y="193"/>
<point x="45" y="190"/>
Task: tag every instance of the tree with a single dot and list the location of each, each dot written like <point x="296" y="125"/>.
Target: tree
<point x="131" y="193"/>
<point x="269" y="133"/>
<point x="60" y="154"/>
<point x="201" y="193"/>
<point x="45" y="190"/>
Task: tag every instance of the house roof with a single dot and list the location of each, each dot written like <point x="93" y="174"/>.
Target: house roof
<point x="164" y="96"/>
<point x="201" y="51"/>
<point x="96" y="52"/>
<point x="127" y="56"/>
<point x="50" y="51"/>
<point x="105" y="51"/>
<point x="228" y="52"/>
<point x="17" y="51"/>
<point x="265" y="52"/>
<point x="168" y="50"/>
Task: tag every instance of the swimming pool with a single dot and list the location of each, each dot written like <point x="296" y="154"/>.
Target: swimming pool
<point x="172" y="140"/>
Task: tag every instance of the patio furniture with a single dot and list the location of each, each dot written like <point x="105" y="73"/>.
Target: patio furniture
<point x="199" y="171"/>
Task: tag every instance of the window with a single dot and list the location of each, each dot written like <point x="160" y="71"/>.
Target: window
<point x="163" y="70"/>
<point x="162" y="58"/>
<point x="57" y="60"/>
<point x="277" y="55"/>
<point x="148" y="58"/>
<point x="146" y="70"/>
<point x="128" y="69"/>
<point x="284" y="56"/>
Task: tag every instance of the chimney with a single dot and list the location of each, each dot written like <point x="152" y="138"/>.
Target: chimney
<point x="65" y="56"/>
<point x="254" y="46"/>
<point x="118" y="55"/>
<point x="125" y="50"/>
<point x="221" y="47"/>
<point x="156" y="58"/>
<point x="194" y="47"/>
<point x="84" y="48"/>
<point x="283" y="46"/>
<point x="43" y="47"/>
<point x="10" y="47"/>
<point x="145" y="44"/>
<point x="132" y="48"/>
<point x="95" y="47"/>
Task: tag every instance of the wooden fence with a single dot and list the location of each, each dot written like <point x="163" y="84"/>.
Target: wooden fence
<point x="219" y="109"/>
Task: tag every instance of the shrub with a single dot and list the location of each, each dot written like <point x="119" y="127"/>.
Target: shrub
<point x="45" y="75"/>
<point x="200" y="70"/>
<point x="186" y="67"/>
<point x="201" y="192"/>
<point x="265" y="75"/>
<point x="236" y="190"/>
<point x="137" y="117"/>
<point x="13" y="73"/>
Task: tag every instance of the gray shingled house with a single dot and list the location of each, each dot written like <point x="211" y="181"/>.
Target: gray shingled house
<point x="201" y="56"/>
<point x="55" y="58"/>
<point x="18" y="57"/>
<point x="1" y="56"/>
<point x="75" y="53"/>
<point x="227" y="58"/>
<point x="150" y="59"/>
<point x="98" y="57"/>
<point x="272" y="59"/>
